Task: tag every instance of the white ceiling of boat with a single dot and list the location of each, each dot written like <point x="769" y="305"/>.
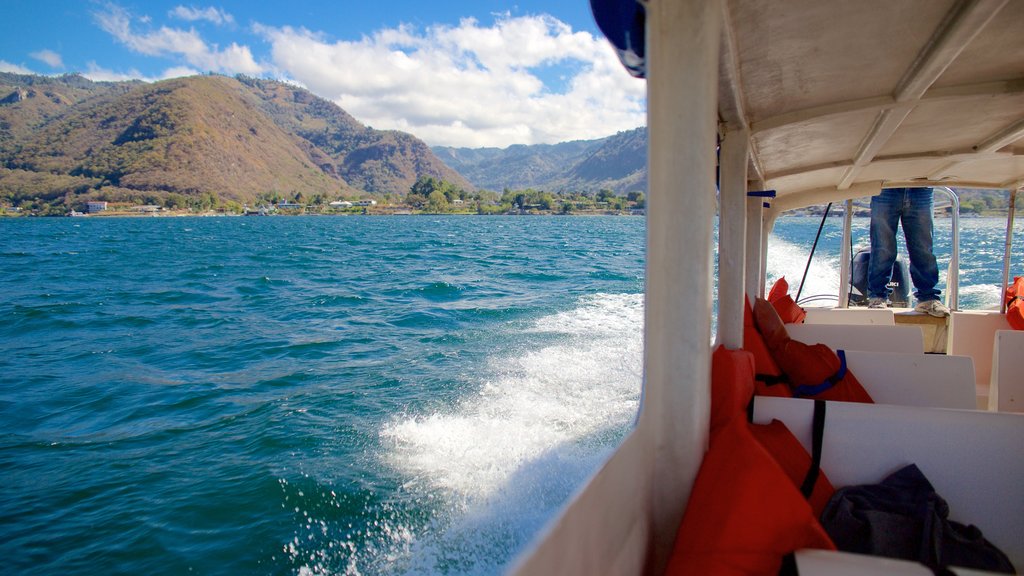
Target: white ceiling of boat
<point x="842" y="96"/>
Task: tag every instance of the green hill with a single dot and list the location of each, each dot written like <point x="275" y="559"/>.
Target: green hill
<point x="66" y="139"/>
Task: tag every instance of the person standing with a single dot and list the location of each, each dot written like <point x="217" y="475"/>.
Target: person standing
<point x="913" y="207"/>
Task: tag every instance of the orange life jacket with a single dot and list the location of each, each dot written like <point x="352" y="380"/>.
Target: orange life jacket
<point x="744" y="513"/>
<point x="732" y="385"/>
<point x="789" y="311"/>
<point x="1015" y="303"/>
<point x="794" y="460"/>
<point x="812" y="370"/>
<point x="766" y="372"/>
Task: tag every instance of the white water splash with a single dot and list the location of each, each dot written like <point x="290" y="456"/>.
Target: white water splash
<point x="980" y="297"/>
<point x="790" y="260"/>
<point x="507" y="458"/>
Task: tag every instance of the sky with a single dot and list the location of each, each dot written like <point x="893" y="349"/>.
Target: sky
<point x="469" y="73"/>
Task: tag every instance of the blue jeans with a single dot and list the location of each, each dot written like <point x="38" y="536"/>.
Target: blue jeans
<point x="913" y="207"/>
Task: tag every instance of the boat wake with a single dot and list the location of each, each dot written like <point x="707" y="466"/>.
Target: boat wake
<point x="501" y="463"/>
<point x="789" y="260"/>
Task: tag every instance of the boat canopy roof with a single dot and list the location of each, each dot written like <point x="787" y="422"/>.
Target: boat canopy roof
<point x="843" y="98"/>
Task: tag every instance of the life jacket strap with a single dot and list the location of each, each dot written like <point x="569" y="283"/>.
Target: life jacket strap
<point x="817" y="439"/>
<point x="771" y="379"/>
<point x="815" y="389"/>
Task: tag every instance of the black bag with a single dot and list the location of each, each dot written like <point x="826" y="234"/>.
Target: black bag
<point x="904" y="518"/>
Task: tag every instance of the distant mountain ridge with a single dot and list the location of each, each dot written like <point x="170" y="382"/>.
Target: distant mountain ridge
<point x="233" y="138"/>
<point x="617" y="163"/>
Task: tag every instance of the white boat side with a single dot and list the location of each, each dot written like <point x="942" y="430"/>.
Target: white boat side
<point x="819" y="101"/>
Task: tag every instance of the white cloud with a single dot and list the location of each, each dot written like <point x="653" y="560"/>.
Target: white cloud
<point x="49" y="57"/>
<point x="469" y="85"/>
<point x="175" y="42"/>
<point x="178" y="72"/>
<point x="210" y="14"/>
<point x="14" y="68"/>
<point x="97" y="73"/>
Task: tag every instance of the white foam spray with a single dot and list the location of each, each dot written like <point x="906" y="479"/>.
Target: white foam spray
<point x="508" y="457"/>
<point x="789" y="260"/>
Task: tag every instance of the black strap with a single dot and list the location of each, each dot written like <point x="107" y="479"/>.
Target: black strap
<point x="789" y="567"/>
<point x="942" y="571"/>
<point x="771" y="379"/>
<point x="817" y="436"/>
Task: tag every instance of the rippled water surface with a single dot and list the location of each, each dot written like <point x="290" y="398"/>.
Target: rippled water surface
<point x="319" y="395"/>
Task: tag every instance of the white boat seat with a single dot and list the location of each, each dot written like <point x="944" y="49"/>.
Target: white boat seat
<point x="1006" y="391"/>
<point x="971" y="334"/>
<point x="833" y="563"/>
<point x="850" y="316"/>
<point x="930" y="380"/>
<point x="970" y="456"/>
<point x="871" y="338"/>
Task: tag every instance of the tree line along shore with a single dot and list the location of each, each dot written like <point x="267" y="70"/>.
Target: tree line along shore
<point x="427" y="196"/>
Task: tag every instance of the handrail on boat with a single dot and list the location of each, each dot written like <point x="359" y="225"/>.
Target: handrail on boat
<point x="953" y="272"/>
<point x="1007" y="249"/>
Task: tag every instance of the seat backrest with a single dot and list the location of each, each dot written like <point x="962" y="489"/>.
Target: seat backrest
<point x="1006" y="391"/>
<point x="971" y="334"/>
<point x="872" y="338"/>
<point x="810" y="562"/>
<point x="971" y="457"/>
<point x="884" y="316"/>
<point x="931" y="380"/>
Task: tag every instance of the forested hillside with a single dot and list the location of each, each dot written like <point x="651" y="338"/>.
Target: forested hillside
<point x="203" y="139"/>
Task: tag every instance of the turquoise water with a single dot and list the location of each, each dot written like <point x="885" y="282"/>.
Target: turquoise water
<point x="305" y="395"/>
<point x="392" y="395"/>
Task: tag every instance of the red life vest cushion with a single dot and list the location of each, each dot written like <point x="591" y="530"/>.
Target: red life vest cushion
<point x="813" y="370"/>
<point x="789" y="311"/>
<point x="1015" y="303"/>
<point x="732" y="385"/>
<point x="744" y="513"/>
<point x="779" y="289"/>
<point x="794" y="460"/>
<point x="767" y="374"/>
<point x="762" y="388"/>
<point x="764" y="364"/>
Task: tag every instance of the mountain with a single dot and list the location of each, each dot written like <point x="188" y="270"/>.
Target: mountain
<point x="233" y="138"/>
<point x="617" y="163"/>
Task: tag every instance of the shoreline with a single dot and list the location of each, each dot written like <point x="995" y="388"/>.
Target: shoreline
<point x="183" y="214"/>
<point x="317" y="214"/>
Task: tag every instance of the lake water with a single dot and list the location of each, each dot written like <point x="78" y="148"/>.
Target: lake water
<point x="317" y="395"/>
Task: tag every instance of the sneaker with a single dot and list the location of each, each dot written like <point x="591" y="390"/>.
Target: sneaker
<point x="876" y="303"/>
<point x="932" y="308"/>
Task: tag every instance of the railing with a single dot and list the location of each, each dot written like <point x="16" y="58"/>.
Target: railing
<point x="953" y="272"/>
<point x="1007" y="250"/>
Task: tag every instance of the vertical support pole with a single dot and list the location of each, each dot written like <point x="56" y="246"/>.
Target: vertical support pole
<point x="1007" y="250"/>
<point x="845" y="255"/>
<point x="768" y="222"/>
<point x="755" y="219"/>
<point x="682" y="85"/>
<point x="732" y="236"/>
